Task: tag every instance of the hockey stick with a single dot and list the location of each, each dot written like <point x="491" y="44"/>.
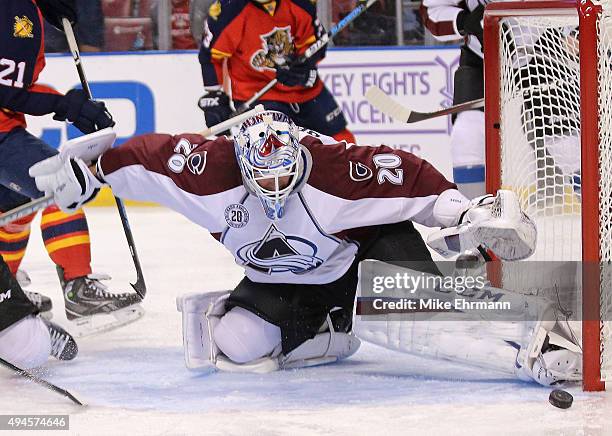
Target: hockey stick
<point x="381" y="101"/>
<point x="140" y="286"/>
<point x="26" y="209"/>
<point x="314" y="48"/>
<point x="46" y="384"/>
<point x="227" y="124"/>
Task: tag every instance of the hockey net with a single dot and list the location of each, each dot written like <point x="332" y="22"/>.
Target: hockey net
<point x="549" y="139"/>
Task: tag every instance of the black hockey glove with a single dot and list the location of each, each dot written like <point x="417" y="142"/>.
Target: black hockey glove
<point x="470" y="23"/>
<point x="87" y="115"/>
<point x="216" y="106"/>
<point x="55" y="10"/>
<point x="297" y="74"/>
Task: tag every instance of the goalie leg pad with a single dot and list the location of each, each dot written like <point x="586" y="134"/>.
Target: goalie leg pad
<point x="26" y="343"/>
<point x="326" y="347"/>
<point x="244" y="337"/>
<point x="510" y="341"/>
<point x="201" y="312"/>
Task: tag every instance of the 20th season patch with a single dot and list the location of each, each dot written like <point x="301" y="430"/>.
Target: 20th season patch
<point x="236" y="216"/>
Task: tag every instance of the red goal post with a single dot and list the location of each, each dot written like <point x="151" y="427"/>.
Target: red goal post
<point x="570" y="203"/>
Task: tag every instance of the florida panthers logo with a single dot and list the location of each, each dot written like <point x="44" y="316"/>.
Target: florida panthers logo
<point x="277" y="46"/>
<point x="278" y="253"/>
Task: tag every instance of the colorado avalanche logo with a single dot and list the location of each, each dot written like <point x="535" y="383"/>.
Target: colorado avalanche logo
<point x="278" y="253"/>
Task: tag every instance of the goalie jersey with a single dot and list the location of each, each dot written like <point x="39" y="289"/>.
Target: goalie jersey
<point x="343" y="189"/>
<point x="253" y="39"/>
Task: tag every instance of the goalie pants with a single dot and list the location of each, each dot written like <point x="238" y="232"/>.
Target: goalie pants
<point x="66" y="236"/>
<point x="300" y="310"/>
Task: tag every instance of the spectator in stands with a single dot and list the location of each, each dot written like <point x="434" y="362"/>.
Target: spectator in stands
<point x="198" y="12"/>
<point x="180" y="23"/>
<point x="89" y="29"/>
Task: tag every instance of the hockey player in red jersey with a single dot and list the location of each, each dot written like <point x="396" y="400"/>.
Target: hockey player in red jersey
<point x="66" y="236"/>
<point x="298" y="211"/>
<point x="258" y="40"/>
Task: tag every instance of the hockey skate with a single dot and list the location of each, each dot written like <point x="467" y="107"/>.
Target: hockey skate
<point x="42" y="302"/>
<point x="63" y="345"/>
<point x="93" y="309"/>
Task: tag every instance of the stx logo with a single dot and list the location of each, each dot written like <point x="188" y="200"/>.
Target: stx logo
<point x="5" y="296"/>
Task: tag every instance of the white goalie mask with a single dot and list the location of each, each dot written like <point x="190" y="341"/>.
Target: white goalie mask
<point x="269" y="155"/>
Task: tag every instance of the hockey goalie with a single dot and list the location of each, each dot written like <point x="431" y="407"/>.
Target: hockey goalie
<point x="299" y="211"/>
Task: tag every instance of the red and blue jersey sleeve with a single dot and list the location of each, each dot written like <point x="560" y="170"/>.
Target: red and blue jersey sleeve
<point x="309" y="29"/>
<point x="21" y="60"/>
<point x="223" y="32"/>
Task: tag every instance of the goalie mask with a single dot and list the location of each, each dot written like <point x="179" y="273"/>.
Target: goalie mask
<point x="269" y="156"/>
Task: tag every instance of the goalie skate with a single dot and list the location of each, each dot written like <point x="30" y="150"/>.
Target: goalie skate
<point x="93" y="310"/>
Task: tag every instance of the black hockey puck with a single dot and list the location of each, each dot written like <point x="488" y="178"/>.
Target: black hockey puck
<point x="561" y="399"/>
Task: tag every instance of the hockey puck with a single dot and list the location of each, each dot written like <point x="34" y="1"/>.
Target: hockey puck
<point x="561" y="399"/>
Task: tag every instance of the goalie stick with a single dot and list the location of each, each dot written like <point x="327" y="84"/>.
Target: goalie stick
<point x="387" y="105"/>
<point x="43" y="202"/>
<point x="39" y="381"/>
<point x="314" y="48"/>
<point x="140" y="287"/>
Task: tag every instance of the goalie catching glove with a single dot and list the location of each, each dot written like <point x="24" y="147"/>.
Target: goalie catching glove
<point x="67" y="179"/>
<point x="496" y="223"/>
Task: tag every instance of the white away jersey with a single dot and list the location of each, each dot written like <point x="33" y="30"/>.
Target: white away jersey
<point x="345" y="189"/>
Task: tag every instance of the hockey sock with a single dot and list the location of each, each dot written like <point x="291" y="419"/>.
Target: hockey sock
<point x="14" y="240"/>
<point x="66" y="239"/>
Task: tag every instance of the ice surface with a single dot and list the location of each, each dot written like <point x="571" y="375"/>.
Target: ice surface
<point x="134" y="380"/>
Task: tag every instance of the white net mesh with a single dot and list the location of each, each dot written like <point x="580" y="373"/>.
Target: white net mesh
<point x="540" y="137"/>
<point x="604" y="29"/>
<point x="540" y="151"/>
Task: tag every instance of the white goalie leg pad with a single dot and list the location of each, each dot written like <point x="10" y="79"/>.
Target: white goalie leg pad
<point x="496" y="223"/>
<point x="328" y="346"/>
<point x="483" y="344"/>
<point x="505" y="340"/>
<point x="26" y="343"/>
<point x="244" y="337"/>
<point x="201" y="312"/>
